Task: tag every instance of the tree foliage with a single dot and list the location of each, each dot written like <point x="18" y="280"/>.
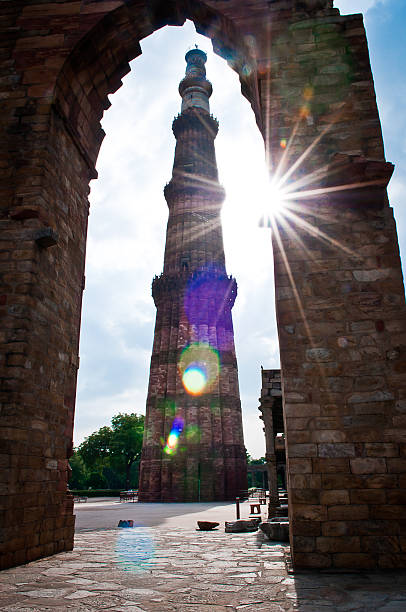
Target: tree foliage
<point x="252" y="461"/>
<point x="79" y="475"/>
<point x="114" y="448"/>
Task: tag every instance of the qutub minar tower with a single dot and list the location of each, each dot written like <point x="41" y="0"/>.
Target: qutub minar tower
<point x="193" y="442"/>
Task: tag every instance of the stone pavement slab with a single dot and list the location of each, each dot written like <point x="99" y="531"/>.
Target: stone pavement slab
<point x="168" y="568"/>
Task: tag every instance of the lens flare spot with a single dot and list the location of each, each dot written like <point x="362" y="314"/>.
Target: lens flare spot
<point x="283" y="143"/>
<point x="193" y="434"/>
<point x="134" y="548"/>
<point x="194" y="380"/>
<point x="199" y="367"/>
<point x="206" y="289"/>
<point x="246" y="70"/>
<point x="305" y="111"/>
<point x="174" y="435"/>
<point x="308" y="93"/>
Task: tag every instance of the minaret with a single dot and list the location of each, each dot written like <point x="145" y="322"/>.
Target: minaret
<point x="193" y="442"/>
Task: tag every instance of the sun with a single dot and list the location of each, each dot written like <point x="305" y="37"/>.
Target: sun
<point x="277" y="198"/>
<point x="273" y="202"/>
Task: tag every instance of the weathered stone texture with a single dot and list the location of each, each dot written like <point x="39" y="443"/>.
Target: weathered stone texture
<point x="340" y="296"/>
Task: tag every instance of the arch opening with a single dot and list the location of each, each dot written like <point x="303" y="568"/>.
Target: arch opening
<point x="125" y="252"/>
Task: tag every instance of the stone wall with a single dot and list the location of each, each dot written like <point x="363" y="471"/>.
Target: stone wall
<point x="271" y="408"/>
<point x="340" y="299"/>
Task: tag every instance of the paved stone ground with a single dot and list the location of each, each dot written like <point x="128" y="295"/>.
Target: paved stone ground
<point x="167" y="568"/>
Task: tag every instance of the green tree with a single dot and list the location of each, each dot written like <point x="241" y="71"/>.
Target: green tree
<point x="96" y="448"/>
<point x="79" y="474"/>
<point x="117" y="447"/>
<point x="255" y="479"/>
<point x="260" y="461"/>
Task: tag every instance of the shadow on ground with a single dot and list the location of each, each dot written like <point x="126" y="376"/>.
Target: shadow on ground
<point x="383" y="591"/>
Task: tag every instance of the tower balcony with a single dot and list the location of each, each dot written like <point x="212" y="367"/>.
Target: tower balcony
<point x="193" y="186"/>
<point x="207" y="283"/>
<point x="195" y="82"/>
<point x="197" y="121"/>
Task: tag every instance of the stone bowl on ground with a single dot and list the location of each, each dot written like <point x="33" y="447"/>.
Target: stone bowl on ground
<point x="207" y="525"/>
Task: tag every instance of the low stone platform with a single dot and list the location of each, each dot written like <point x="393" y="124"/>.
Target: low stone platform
<point x="277" y="530"/>
<point x="156" y="569"/>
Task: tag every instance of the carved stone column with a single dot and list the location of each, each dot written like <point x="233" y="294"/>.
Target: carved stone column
<point x="271" y="411"/>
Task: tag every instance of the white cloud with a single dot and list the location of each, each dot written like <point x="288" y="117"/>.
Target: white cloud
<point x="96" y="412"/>
<point x="349" y="7"/>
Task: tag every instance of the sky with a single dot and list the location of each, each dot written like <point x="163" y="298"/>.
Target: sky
<point x="128" y="215"/>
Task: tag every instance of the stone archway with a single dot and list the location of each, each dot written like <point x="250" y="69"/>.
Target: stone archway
<point x="340" y="297"/>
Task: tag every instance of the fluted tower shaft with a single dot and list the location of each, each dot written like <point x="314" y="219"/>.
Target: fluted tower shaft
<point x="193" y="443"/>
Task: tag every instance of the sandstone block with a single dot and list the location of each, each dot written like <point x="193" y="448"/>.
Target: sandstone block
<point x="381" y="481"/>
<point x="348" y="513"/>
<point x="302" y="450"/>
<point x="336" y="528"/>
<point x="304" y="543"/>
<point x="300" y="466"/>
<point x="374" y="527"/>
<point x="319" y="355"/>
<point x="309" y="512"/>
<point x="338" y="544"/>
<point x="301" y="410"/>
<point x="326" y="422"/>
<point x="395" y="497"/>
<point x="299" y="437"/>
<point x="306" y="528"/>
<point x="312" y="560"/>
<point x="334" y="465"/>
<point x="366" y="276"/>
<point x="369" y="383"/>
<point x="387" y="512"/>
<point x="336" y="450"/>
<point x="342" y="481"/>
<point x="397" y="466"/>
<point x="297" y="424"/>
<point x="306" y="496"/>
<point x="332" y="497"/>
<point x="370" y="396"/>
<point x="328" y="436"/>
<point x="241" y="526"/>
<point x="380" y="544"/>
<point x="399" y="421"/>
<point x="394" y="435"/>
<point x="368" y="496"/>
<point x="379" y="449"/>
<point x="393" y="561"/>
<point x="353" y="560"/>
<point x="276" y="530"/>
<point x="304" y="481"/>
<point x="368" y="465"/>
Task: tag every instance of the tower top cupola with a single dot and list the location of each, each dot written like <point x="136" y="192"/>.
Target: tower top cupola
<point x="194" y="88"/>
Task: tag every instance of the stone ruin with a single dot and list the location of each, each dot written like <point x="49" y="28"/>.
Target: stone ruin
<point x="339" y="289"/>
